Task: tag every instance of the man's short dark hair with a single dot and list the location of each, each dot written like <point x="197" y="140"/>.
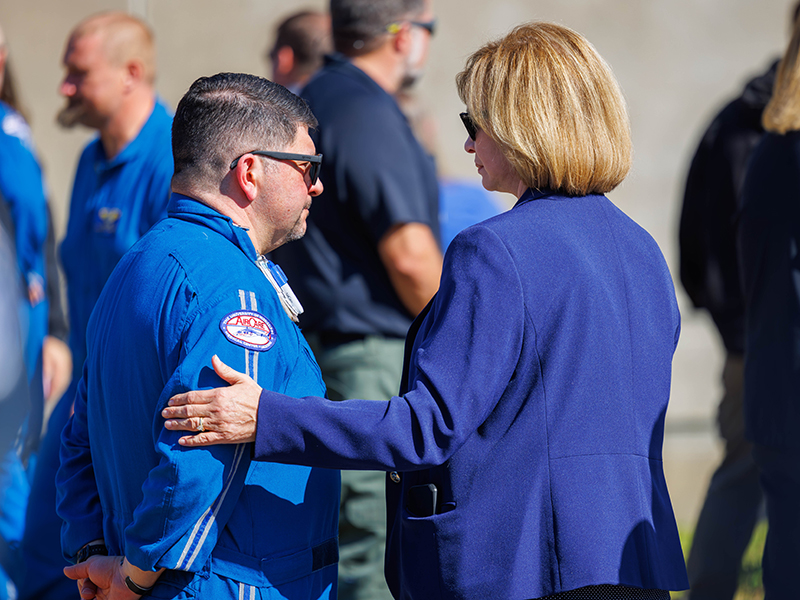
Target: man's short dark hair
<point x="359" y="24"/>
<point x="308" y="34"/>
<point x="229" y="114"/>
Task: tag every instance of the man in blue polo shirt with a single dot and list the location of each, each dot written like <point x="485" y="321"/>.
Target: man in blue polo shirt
<point x="121" y="189"/>
<point x="212" y="524"/>
<point x="371" y="260"/>
<point x="121" y="185"/>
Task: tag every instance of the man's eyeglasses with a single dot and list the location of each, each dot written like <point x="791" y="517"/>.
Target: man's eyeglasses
<point x="469" y="125"/>
<point x="314" y="160"/>
<point x="429" y="26"/>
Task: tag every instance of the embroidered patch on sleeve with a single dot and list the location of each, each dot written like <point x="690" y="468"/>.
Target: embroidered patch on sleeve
<point x="248" y="329"/>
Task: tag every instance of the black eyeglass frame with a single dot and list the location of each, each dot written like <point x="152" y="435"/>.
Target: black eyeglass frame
<point x="314" y="159"/>
<point x="469" y="125"/>
<point x="429" y="26"/>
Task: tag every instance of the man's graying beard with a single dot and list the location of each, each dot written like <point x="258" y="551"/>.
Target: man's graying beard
<point x="69" y="116"/>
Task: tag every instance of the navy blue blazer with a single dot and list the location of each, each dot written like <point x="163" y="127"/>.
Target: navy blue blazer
<point x="536" y="384"/>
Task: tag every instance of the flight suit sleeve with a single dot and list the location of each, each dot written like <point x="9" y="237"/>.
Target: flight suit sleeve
<point x="77" y="498"/>
<point x="191" y="493"/>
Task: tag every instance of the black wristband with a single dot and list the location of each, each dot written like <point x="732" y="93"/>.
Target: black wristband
<point x="93" y="550"/>
<point x="135" y="588"/>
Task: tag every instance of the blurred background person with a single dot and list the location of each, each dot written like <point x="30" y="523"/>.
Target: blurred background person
<point x="525" y="448"/>
<point x="24" y="214"/>
<point x="769" y="244"/>
<point x="462" y="201"/>
<point x="56" y="356"/>
<point x="370" y="260"/>
<point x="22" y="189"/>
<point x="121" y="189"/>
<point x="709" y="271"/>
<point x="301" y="42"/>
<point x="14" y="403"/>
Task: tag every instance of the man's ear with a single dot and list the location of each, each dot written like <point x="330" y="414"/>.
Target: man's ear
<point x="3" y="56"/>
<point x="284" y="60"/>
<point x="247" y="176"/>
<point x="401" y="41"/>
<point x="134" y="74"/>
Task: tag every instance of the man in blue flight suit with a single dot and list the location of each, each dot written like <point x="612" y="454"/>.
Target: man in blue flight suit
<point x="210" y="523"/>
<point x="121" y="189"/>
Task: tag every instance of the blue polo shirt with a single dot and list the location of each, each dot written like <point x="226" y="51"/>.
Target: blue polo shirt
<point x="376" y="176"/>
<point x="114" y="202"/>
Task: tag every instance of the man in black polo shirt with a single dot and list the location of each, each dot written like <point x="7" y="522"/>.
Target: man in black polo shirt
<point x="370" y="260"/>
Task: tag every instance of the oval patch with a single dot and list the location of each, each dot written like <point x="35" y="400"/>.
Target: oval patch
<point x="249" y="329"/>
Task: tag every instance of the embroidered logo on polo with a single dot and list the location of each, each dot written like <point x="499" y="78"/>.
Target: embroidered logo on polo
<point x="106" y="220"/>
<point x="249" y="329"/>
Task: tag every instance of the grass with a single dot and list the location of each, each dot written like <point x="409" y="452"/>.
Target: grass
<point x="750" y="575"/>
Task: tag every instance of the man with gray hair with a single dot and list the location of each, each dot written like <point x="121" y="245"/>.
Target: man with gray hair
<point x="371" y="260"/>
<point x="141" y="513"/>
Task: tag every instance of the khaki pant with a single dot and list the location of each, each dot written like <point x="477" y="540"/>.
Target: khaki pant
<point x="368" y="369"/>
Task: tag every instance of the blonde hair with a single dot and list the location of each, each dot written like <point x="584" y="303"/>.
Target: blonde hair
<point x="124" y="38"/>
<point x="782" y="113"/>
<point x="552" y="104"/>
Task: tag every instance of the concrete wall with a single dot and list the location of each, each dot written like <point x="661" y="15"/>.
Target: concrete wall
<point x="677" y="61"/>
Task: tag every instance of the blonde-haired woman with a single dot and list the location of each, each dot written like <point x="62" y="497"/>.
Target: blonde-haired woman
<point x="769" y="243"/>
<point x="524" y="449"/>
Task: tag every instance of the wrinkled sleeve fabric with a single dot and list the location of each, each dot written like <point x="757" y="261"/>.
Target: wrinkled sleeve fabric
<point x="455" y="378"/>
<point x="190" y="494"/>
<point x="77" y="498"/>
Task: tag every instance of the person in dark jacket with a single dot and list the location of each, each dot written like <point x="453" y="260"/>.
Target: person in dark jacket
<point x="524" y="448"/>
<point x="709" y="270"/>
<point x="769" y="239"/>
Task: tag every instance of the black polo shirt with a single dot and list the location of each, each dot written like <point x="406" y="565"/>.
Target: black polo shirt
<point x="376" y="175"/>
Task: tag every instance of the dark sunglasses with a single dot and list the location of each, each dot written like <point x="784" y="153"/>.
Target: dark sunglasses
<point x="314" y="160"/>
<point x="469" y="124"/>
<point x="429" y="26"/>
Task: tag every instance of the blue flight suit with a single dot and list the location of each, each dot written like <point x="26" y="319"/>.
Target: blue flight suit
<point x="222" y="525"/>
